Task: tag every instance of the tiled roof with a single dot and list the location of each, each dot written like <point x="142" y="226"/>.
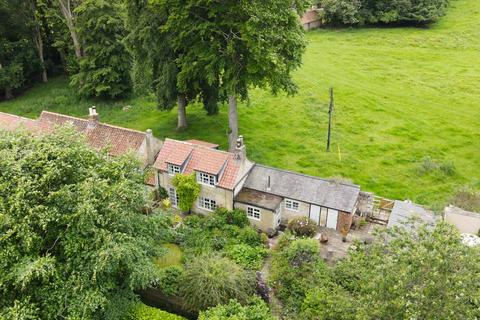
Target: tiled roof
<point x="204" y="143"/>
<point x="200" y="158"/>
<point x="12" y="122"/>
<point x="310" y="16"/>
<point x="117" y="140"/>
<point x="305" y="188"/>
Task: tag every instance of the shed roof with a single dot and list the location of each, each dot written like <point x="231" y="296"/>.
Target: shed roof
<point x="325" y="193"/>
<point x="258" y="198"/>
<point x="404" y="210"/>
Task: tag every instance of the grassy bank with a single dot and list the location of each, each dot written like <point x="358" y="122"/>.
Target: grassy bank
<point x="407" y="109"/>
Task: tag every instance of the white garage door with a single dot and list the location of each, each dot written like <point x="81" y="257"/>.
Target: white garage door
<point x="315" y="213"/>
<point x="332" y="218"/>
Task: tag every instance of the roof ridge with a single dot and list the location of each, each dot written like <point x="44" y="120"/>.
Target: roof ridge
<point x="194" y="145"/>
<point x="86" y="120"/>
<point x="307" y="175"/>
<point x="17" y="116"/>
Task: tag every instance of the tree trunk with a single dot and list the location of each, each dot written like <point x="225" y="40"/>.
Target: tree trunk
<point x="8" y="93"/>
<point x="69" y="19"/>
<point x="182" y="112"/>
<point x="37" y="39"/>
<point x="232" y="123"/>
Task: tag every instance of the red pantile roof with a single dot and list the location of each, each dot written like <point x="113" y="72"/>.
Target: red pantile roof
<point x="99" y="135"/>
<point x="12" y="122"/>
<point x="310" y="16"/>
<point x="203" y="143"/>
<point x="200" y="158"/>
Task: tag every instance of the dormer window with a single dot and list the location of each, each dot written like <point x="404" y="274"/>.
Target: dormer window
<point x="173" y="169"/>
<point x="205" y="178"/>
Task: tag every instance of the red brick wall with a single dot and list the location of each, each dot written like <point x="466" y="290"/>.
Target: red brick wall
<point x="344" y="220"/>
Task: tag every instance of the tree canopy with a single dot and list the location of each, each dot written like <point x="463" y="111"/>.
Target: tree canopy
<point x="236" y="45"/>
<point x="73" y="241"/>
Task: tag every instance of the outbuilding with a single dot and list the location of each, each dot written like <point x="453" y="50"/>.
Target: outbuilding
<point x="272" y="196"/>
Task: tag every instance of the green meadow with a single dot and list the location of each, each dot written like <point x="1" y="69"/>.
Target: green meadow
<point x="406" y="122"/>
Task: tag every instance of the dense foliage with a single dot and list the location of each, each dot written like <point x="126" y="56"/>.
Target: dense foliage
<point x="303" y="227"/>
<point x="73" y="241"/>
<point x="359" y="12"/>
<point x="210" y="280"/>
<point x="104" y="69"/>
<point x="214" y="233"/>
<point x="187" y="189"/>
<point x="417" y="272"/>
<point x="143" y="312"/>
<point x="297" y="268"/>
<point x="254" y="310"/>
<point x="18" y="60"/>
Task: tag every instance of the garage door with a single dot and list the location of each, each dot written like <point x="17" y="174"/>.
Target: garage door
<point x="315" y="213"/>
<point x="332" y="218"/>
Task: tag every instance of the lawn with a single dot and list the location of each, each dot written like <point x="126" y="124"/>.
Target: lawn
<point x="407" y="109"/>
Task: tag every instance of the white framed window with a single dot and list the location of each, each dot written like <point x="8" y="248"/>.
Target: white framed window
<point x="173" y="196"/>
<point x="207" y="204"/>
<point x="292" y="204"/>
<point x="206" y="178"/>
<point x="253" y="213"/>
<point x="173" y="169"/>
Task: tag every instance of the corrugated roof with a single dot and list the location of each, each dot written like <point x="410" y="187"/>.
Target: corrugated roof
<point x="200" y="158"/>
<point x="305" y="188"/>
<point x="404" y="210"/>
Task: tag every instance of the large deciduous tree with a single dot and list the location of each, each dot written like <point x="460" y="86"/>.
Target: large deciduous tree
<point x="73" y="241"/>
<point x="238" y="44"/>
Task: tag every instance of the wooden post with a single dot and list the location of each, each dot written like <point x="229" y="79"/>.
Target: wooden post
<point x="330" y="111"/>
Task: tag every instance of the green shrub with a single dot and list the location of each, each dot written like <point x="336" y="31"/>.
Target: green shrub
<point x="169" y="280"/>
<point x="210" y="280"/>
<point x="236" y="217"/>
<point x="249" y="235"/>
<point x="303" y="227"/>
<point x="257" y="309"/>
<point x="448" y="168"/>
<point x="247" y="256"/>
<point x="296" y="269"/>
<point x="143" y="312"/>
<point x="161" y="194"/>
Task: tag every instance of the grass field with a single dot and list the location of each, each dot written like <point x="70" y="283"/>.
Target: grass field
<point x="407" y="109"/>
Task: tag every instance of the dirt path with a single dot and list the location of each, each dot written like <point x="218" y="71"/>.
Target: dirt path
<point x="275" y="304"/>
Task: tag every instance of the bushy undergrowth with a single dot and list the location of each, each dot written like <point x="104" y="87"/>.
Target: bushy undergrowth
<point x="254" y="310"/>
<point x="210" y="280"/>
<point x="297" y="268"/>
<point x="303" y="227"/>
<point x="144" y="312"/>
<point x="226" y="233"/>
<point x="420" y="272"/>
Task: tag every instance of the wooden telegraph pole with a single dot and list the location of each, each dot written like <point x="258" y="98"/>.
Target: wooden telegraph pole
<point x="330" y="111"/>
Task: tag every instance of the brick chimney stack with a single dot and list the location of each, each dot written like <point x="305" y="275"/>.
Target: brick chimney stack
<point x="93" y="117"/>
<point x="149" y="146"/>
<point x="240" y="149"/>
